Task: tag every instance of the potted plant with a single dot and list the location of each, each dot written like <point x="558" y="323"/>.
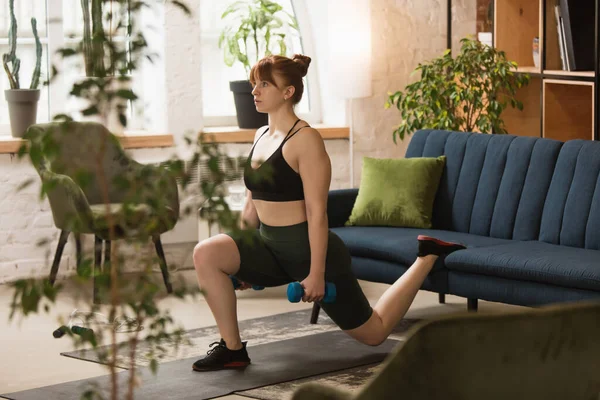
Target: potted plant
<point x="254" y="28"/>
<point x="22" y="103"/>
<point x="106" y="88"/>
<point x="467" y="93"/>
<point x="131" y="303"/>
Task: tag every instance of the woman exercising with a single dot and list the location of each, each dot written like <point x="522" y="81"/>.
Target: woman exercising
<point x="293" y="241"/>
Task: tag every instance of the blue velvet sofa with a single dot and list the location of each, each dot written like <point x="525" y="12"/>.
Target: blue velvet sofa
<point x="528" y="210"/>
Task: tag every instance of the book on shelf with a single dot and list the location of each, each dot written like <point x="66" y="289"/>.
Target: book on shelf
<point x="578" y="28"/>
<point x="561" y="36"/>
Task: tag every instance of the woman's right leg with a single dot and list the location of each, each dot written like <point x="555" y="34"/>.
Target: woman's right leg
<point x="215" y="259"/>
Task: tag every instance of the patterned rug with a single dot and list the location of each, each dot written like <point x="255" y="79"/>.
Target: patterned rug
<point x="349" y="380"/>
<point x="259" y="331"/>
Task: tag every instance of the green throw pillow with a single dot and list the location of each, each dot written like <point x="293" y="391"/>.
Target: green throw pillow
<point x="397" y="192"/>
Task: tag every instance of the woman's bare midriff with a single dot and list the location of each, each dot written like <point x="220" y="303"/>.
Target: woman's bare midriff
<point x="280" y="213"/>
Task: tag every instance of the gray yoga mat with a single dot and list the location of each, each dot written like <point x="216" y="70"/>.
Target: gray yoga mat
<point x="272" y="363"/>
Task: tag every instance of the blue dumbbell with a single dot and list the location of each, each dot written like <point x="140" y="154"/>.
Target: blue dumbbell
<point x="237" y="284"/>
<point x="295" y="291"/>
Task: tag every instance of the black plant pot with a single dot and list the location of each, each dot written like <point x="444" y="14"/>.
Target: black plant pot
<point x="247" y="116"/>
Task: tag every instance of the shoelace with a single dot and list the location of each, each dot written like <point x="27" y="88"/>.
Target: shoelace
<point x="213" y="349"/>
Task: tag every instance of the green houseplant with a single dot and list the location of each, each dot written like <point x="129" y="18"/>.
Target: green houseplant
<point x="466" y="93"/>
<point x="133" y="302"/>
<point x="22" y="103"/>
<point x="254" y="29"/>
<point x="105" y="90"/>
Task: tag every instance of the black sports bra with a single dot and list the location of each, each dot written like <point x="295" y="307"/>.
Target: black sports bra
<point x="274" y="179"/>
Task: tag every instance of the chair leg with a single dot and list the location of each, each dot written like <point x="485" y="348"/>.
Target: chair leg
<point x="62" y="240"/>
<point x="107" y="250"/>
<point x="472" y="305"/>
<point x="442" y="298"/>
<point x="163" y="263"/>
<point x="315" y="313"/>
<point x="97" y="266"/>
<point x="78" y="250"/>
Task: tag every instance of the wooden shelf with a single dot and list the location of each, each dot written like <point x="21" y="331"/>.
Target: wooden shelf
<point x="138" y="140"/>
<point x="528" y="121"/>
<point x="557" y="104"/>
<point x="529" y="70"/>
<point x="516" y="24"/>
<point x="568" y="74"/>
<point x="8" y="144"/>
<point x="233" y="134"/>
<point x="553" y="61"/>
<point x="132" y="140"/>
<point x="568" y="110"/>
<point x="230" y="134"/>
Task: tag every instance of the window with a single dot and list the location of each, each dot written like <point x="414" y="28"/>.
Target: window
<point x="60" y="22"/>
<point x="217" y="99"/>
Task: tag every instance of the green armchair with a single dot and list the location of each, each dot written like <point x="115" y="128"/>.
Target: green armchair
<point x="547" y="353"/>
<point x="90" y="181"/>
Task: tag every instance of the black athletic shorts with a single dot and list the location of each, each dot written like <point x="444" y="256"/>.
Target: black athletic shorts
<point x="277" y="255"/>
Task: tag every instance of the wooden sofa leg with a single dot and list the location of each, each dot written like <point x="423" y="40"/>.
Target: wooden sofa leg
<point x="472" y="305"/>
<point x="315" y="313"/>
<point x="442" y="298"/>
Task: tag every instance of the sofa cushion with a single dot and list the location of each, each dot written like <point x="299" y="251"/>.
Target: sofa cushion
<point x="400" y="244"/>
<point x="397" y="192"/>
<point x="572" y="210"/>
<point x="532" y="261"/>
<point x="493" y="185"/>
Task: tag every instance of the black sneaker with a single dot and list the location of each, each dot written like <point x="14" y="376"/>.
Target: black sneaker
<point x="220" y="357"/>
<point x="429" y="245"/>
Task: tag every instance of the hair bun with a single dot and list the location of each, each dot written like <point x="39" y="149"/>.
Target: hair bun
<point x="303" y="62"/>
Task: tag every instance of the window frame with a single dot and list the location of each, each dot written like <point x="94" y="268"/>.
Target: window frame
<point x="314" y="115"/>
<point x="58" y="92"/>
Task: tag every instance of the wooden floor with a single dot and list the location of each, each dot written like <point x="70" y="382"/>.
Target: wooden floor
<point x="30" y="355"/>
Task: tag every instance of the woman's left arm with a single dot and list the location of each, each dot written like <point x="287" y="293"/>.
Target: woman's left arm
<point x="314" y="167"/>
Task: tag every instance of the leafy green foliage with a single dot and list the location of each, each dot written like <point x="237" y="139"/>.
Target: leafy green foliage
<point x="121" y="297"/>
<point x="109" y="63"/>
<point x="133" y="299"/>
<point x="255" y="28"/>
<point x="466" y="93"/>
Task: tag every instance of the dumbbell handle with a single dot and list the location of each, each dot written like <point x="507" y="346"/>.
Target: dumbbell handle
<point x="78" y="330"/>
<point x="295" y="291"/>
<point x="60" y="332"/>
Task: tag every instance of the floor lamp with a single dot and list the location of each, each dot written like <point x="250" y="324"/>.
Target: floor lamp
<point x="349" y="33"/>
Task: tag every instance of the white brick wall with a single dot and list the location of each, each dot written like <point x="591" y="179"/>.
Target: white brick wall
<point x="25" y="220"/>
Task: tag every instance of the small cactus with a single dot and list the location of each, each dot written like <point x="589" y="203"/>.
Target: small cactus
<point x="35" y="78"/>
<point x="11" y="56"/>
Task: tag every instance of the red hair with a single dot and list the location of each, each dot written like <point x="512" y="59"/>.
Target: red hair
<point x="291" y="70"/>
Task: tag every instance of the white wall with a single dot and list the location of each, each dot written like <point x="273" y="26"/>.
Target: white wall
<point x="405" y="32"/>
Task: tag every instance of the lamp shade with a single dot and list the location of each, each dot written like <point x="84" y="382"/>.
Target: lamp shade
<point x="349" y="36"/>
